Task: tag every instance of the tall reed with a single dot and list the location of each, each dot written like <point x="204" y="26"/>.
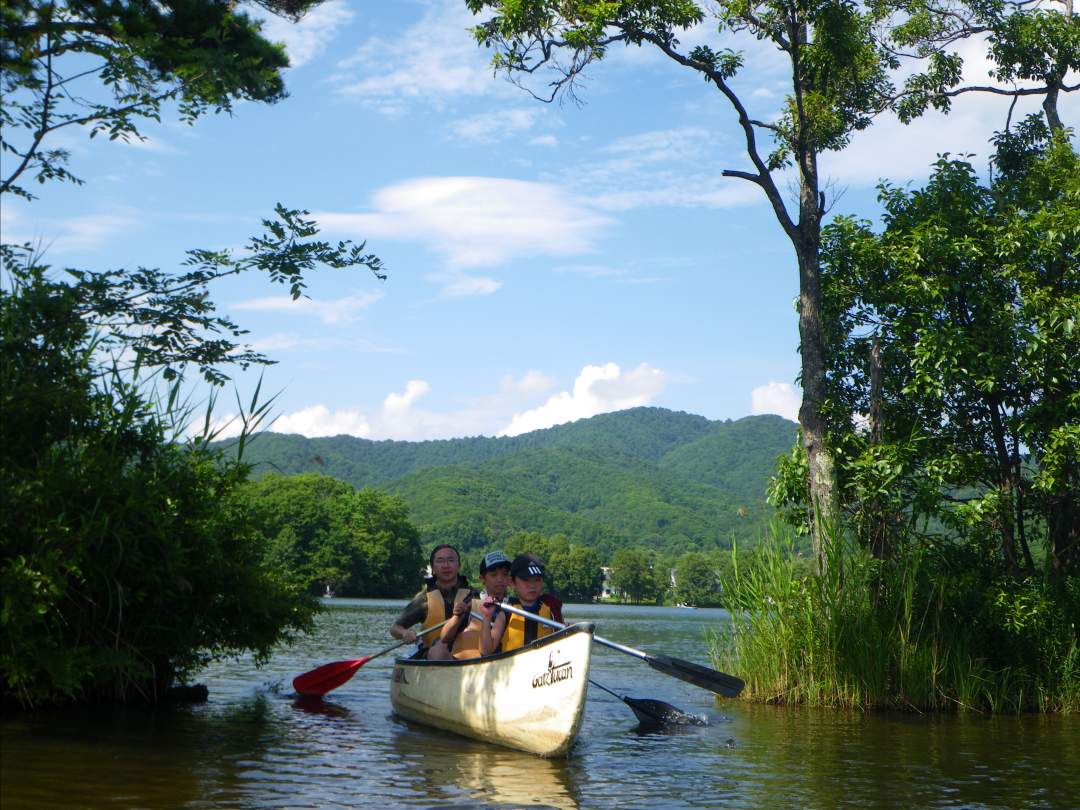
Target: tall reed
<point x="866" y="633"/>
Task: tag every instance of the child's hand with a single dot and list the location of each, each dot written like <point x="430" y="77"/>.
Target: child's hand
<point x="461" y="608"/>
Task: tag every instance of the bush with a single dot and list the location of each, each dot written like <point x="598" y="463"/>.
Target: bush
<point x="940" y="628"/>
<point x="127" y="561"/>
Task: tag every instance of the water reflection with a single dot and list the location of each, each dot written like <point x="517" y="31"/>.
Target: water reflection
<point x="253" y="745"/>
<point x="320" y="706"/>
<point x="458" y="771"/>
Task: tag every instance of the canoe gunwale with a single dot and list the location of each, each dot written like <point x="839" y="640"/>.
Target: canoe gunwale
<point x="558" y="635"/>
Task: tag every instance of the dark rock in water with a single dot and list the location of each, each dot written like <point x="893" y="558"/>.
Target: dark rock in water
<point x="730" y="743"/>
<point x="195" y="693"/>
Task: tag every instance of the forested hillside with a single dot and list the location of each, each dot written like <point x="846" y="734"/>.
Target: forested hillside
<point x="644" y="477"/>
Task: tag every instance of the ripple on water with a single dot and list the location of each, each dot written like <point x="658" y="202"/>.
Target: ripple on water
<point x="255" y="745"/>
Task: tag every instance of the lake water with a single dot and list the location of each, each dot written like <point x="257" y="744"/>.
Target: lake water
<point x="254" y="745"/>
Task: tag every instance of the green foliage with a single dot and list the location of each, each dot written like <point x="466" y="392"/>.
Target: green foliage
<point x="645" y="476"/>
<point x="934" y="629"/>
<point x="111" y="65"/>
<point x="126" y="559"/>
<point x="572" y="572"/>
<point x="697" y="580"/>
<point x="328" y="535"/>
<point x="969" y="298"/>
<point x="168" y="320"/>
<point x="637" y="576"/>
<point x="839" y="73"/>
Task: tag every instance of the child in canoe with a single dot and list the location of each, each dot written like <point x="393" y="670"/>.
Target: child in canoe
<point x="508" y="631"/>
<point x="463" y="636"/>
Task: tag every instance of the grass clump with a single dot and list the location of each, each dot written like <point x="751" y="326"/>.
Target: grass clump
<point x="932" y="629"/>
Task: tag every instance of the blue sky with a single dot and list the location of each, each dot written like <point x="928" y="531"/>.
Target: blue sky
<point x="546" y="262"/>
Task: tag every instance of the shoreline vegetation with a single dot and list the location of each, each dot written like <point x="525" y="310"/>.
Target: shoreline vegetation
<point x="935" y="630"/>
<point x="936" y="475"/>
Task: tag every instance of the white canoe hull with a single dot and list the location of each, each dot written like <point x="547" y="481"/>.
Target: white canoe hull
<point x="530" y="699"/>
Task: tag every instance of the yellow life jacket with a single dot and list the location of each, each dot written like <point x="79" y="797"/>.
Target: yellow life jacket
<point x="521" y="631"/>
<point x="437" y="612"/>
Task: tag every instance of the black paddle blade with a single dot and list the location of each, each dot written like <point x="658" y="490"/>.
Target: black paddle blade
<point x="657" y="713"/>
<point x="718" y="682"/>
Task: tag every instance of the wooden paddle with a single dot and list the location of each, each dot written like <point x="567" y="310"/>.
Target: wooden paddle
<point x="322" y="679"/>
<point x="698" y="675"/>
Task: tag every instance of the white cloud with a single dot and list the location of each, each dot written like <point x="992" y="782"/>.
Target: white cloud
<point x="395" y="404"/>
<point x="307" y="39"/>
<point x="318" y="420"/>
<point x="282" y="341"/>
<point x="779" y="398"/>
<point x="457" y="285"/>
<point x="67" y="235"/>
<point x="597" y="389"/>
<point x="900" y="152"/>
<point x="476" y="221"/>
<point x="494" y="126"/>
<point x="431" y="62"/>
<point x="330" y="311"/>
<point x="662" y="168"/>
<point x="531" y="383"/>
<point x="544" y="140"/>
<point x="631" y="274"/>
<point x="690" y="192"/>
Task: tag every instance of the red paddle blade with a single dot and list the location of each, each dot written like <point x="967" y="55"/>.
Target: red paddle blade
<point x="322" y="679"/>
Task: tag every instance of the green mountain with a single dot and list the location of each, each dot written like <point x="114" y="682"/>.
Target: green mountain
<point x="645" y="476"/>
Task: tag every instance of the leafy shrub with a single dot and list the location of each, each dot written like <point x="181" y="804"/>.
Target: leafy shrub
<point x="127" y="561"/>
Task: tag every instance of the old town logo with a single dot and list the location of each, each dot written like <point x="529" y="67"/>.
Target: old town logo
<point x="555" y="673"/>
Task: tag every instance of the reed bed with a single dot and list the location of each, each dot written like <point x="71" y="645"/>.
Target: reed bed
<point x="911" y="633"/>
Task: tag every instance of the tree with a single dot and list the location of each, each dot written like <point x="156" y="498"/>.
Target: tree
<point x="697" y="580"/>
<point x="967" y="300"/>
<point x="357" y="543"/>
<point x="577" y="574"/>
<point x="127" y="559"/>
<point x="839" y="58"/>
<point x="109" y="65"/>
<point x="635" y="575"/>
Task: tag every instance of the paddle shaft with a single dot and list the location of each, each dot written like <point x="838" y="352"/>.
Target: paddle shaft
<point x="706" y="678"/>
<point x="552" y="623"/>
<point x="402" y="643"/>
<point x="330" y="676"/>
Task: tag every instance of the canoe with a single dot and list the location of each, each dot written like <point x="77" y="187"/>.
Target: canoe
<point x="531" y="699"/>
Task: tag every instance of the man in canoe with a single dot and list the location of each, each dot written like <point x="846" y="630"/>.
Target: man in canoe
<point x="463" y="636"/>
<point x="444" y="589"/>
<point x="508" y="631"/>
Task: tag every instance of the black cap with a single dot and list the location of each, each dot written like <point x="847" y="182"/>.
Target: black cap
<point x="493" y="559"/>
<point x="526" y="565"/>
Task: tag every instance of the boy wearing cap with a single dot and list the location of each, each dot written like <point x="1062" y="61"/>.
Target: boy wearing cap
<point x="508" y="631"/>
<point x="495" y="576"/>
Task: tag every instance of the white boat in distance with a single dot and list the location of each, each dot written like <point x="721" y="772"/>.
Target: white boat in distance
<point x="531" y="699"/>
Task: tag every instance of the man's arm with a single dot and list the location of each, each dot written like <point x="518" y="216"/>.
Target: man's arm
<point x="414" y="613"/>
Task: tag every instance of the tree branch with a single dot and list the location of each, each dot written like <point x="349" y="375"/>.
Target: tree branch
<point x="763" y="178"/>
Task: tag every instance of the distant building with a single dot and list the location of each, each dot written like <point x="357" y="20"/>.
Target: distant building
<point x="606" y="591"/>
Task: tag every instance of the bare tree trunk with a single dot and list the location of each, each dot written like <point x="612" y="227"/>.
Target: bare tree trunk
<point x="1064" y="528"/>
<point x="877" y="522"/>
<point x="819" y="457"/>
